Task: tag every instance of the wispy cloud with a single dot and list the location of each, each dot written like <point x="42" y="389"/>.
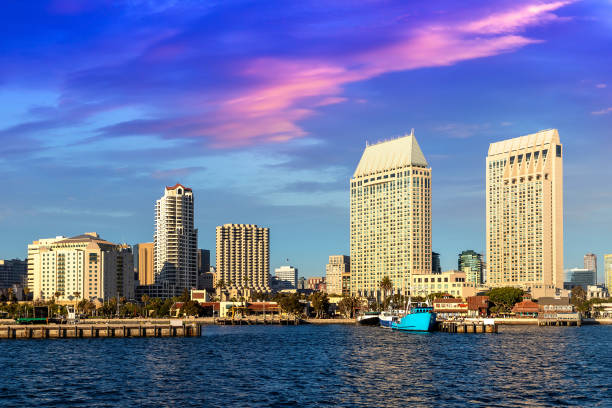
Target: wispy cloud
<point x="601" y="86"/>
<point x="604" y="111"/>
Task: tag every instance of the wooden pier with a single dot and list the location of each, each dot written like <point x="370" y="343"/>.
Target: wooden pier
<point x="466" y="327"/>
<point x="256" y="321"/>
<point x="98" y="331"/>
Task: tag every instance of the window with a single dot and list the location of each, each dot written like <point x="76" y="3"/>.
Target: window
<point x="558" y="150"/>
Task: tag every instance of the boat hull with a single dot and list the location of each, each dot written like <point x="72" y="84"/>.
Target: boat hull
<point x="422" y="321"/>
<point x="368" y="320"/>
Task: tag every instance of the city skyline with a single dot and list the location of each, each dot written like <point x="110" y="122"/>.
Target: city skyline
<point x="83" y="132"/>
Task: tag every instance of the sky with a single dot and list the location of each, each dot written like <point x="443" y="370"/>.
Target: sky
<point x="264" y="109"/>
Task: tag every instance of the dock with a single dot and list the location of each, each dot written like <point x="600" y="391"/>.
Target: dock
<point x="560" y="319"/>
<point x="51" y="331"/>
<point x="467" y="327"/>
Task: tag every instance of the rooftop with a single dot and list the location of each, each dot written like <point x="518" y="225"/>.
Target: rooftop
<point x="177" y="185"/>
<point x="391" y="154"/>
<point x="523" y="142"/>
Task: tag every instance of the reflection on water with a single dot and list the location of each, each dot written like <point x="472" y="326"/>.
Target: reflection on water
<point x="315" y="365"/>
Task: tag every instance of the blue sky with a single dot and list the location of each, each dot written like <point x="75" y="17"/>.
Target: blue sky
<point x="264" y="110"/>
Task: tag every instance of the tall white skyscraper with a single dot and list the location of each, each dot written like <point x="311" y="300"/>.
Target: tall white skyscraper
<point x="524" y="213"/>
<point x="286" y="276"/>
<point x="390" y="216"/>
<point x="175" y="242"/>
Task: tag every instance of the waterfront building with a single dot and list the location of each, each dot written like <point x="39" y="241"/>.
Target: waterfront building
<point x="450" y="307"/>
<point x="286" y="276"/>
<point x="243" y="256"/>
<point x="478" y="306"/>
<point x="33" y="250"/>
<point x="608" y="271"/>
<point x="453" y="283"/>
<point x="581" y="277"/>
<point x="590" y="262"/>
<point x="144" y="262"/>
<point x="390" y="217"/>
<point x="82" y="267"/>
<point x="597" y="292"/>
<point x="526" y="308"/>
<point x="524" y="213"/>
<point x="13" y="272"/>
<point x="337" y="272"/>
<point x="435" y="263"/>
<point x="175" y="242"/>
<point x="470" y="262"/>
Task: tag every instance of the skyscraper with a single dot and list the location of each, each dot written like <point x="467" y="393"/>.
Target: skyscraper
<point x="243" y="256"/>
<point x="286" y="277"/>
<point x="144" y="262"/>
<point x="390" y="216"/>
<point x="470" y="262"/>
<point x="338" y="267"/>
<point x="175" y="242"/>
<point x="435" y="263"/>
<point x="590" y="262"/>
<point x="608" y="271"/>
<point x="524" y="213"/>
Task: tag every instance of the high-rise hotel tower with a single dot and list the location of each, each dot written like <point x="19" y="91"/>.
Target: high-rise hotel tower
<point x="390" y="216"/>
<point x="525" y="213"/>
<point x="175" y="242"/>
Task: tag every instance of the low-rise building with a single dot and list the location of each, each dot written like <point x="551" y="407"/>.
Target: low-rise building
<point x="597" y="292"/>
<point x="317" y="283"/>
<point x="451" y="282"/>
<point x="602" y="310"/>
<point x="478" y="306"/>
<point x="450" y="307"/>
<point x="526" y="308"/>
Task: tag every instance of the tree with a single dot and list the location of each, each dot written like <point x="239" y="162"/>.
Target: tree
<point x="505" y="298"/>
<point x="320" y="303"/>
<point x="26" y="293"/>
<point x="579" y="299"/>
<point x="347" y="306"/>
<point x="291" y="304"/>
<point x="192" y="308"/>
<point x="386" y="286"/>
<point x="185" y="297"/>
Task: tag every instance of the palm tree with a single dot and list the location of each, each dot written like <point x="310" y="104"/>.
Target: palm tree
<point x="26" y="293"/>
<point x="145" y="298"/>
<point x="386" y="286"/>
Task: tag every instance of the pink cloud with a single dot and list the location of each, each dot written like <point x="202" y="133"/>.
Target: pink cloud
<point x="288" y="91"/>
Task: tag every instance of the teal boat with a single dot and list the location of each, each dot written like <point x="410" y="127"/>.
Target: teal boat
<point x="418" y="318"/>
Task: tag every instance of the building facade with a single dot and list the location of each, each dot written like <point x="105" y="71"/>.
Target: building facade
<point x="337" y="270"/>
<point x="581" y="277"/>
<point x="175" y="242"/>
<point x="435" y="263"/>
<point x="524" y="212"/>
<point x="144" y="262"/>
<point x="316" y="283"/>
<point x="449" y="282"/>
<point x="203" y="261"/>
<point x="82" y="267"/>
<point x="33" y="250"/>
<point x="390" y="219"/>
<point x="590" y="262"/>
<point x="286" y="276"/>
<point x="470" y="262"/>
<point x="13" y="272"/>
<point x="608" y="271"/>
<point x="243" y="256"/>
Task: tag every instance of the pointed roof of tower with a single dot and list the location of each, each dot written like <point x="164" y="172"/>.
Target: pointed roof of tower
<point x="391" y="154"/>
<point x="523" y="142"/>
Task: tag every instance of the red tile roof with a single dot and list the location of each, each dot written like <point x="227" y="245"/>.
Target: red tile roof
<point x="477" y="302"/>
<point x="177" y="185"/>
<point x="526" y="306"/>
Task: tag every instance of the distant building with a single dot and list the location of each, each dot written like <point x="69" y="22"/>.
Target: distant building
<point x="203" y="261"/>
<point x="13" y="272"/>
<point x="302" y="284"/>
<point x="176" y="242"/>
<point x="243" y="256"/>
<point x="470" y="262"/>
<point x="435" y="263"/>
<point x="608" y="271"/>
<point x="337" y="273"/>
<point x="524" y="212"/>
<point x="33" y="250"/>
<point x="144" y="263"/>
<point x="206" y="280"/>
<point x="286" y="276"/>
<point x="581" y="277"/>
<point x="390" y="219"/>
<point x="82" y="267"/>
<point x="590" y="262"/>
<point x="316" y="283"/>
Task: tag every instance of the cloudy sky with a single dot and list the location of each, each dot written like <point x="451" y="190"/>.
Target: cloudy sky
<point x="264" y="108"/>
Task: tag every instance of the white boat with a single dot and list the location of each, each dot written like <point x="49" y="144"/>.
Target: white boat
<point x="387" y="318"/>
